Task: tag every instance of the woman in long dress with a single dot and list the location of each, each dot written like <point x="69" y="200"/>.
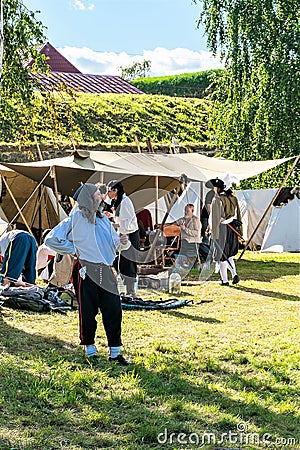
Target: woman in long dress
<point x="224" y="219"/>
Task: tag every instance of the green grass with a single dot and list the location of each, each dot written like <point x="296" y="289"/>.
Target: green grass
<point x="225" y="367"/>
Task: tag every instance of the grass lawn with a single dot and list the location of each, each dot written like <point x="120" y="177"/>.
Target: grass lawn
<point x="223" y="374"/>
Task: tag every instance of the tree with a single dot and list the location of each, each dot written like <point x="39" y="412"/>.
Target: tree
<point x="136" y="70"/>
<point x="1" y="37"/>
<point x="255" y="112"/>
<point x="22" y="34"/>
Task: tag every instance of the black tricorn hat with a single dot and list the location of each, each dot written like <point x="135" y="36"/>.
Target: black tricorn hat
<point x="215" y="182"/>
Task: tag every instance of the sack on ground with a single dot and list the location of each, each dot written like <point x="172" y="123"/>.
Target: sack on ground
<point x="37" y="298"/>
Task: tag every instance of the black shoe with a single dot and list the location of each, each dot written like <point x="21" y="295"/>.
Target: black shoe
<point x="235" y="279"/>
<point x="224" y="283"/>
<point x="121" y="360"/>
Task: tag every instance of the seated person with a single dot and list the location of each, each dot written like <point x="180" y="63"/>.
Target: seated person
<point x="19" y="250"/>
<point x="190" y="226"/>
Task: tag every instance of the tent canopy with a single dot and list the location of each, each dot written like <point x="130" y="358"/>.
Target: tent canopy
<point x="40" y="209"/>
<point x="136" y="171"/>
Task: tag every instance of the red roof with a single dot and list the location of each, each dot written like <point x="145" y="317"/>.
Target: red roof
<point x="56" y="61"/>
<point x="91" y="84"/>
<point x="62" y="71"/>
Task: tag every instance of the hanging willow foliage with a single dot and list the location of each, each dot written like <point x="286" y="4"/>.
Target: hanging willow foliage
<point x="256" y="108"/>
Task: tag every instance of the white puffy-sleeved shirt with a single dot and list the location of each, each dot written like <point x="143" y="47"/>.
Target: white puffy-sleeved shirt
<point x="126" y="220"/>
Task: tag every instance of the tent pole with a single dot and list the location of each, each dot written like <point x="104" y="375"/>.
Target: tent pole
<point x="53" y="175"/>
<point x="33" y="192"/>
<point x="41" y="193"/>
<point x="161" y="226"/>
<point x="201" y="196"/>
<point x="17" y="206"/>
<point x="269" y="206"/>
<point x="38" y="209"/>
<point x="40" y="215"/>
<point x="156" y="200"/>
<point x="101" y="177"/>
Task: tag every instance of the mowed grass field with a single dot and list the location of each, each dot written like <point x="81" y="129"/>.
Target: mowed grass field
<point x="218" y="374"/>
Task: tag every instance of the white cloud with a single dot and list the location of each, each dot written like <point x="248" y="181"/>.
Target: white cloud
<point x="163" y="61"/>
<point x="78" y="4"/>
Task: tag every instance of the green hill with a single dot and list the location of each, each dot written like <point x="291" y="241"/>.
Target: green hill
<point x="197" y="84"/>
<point x="91" y="119"/>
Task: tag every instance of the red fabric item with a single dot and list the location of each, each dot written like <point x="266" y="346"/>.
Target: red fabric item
<point x="145" y="217"/>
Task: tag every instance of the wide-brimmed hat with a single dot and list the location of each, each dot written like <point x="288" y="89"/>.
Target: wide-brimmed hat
<point x="215" y="182"/>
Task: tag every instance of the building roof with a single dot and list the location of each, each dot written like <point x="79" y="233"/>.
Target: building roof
<point x="56" y="61"/>
<point x="63" y="72"/>
<point x="89" y="84"/>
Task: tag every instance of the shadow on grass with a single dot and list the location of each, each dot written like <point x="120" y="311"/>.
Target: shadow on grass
<point x="18" y="342"/>
<point x="266" y="270"/>
<point x="277" y="295"/>
<point x="182" y="398"/>
<point x="162" y="397"/>
<point x="182" y="315"/>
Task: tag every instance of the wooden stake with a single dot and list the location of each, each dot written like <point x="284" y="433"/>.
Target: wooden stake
<point x="38" y="149"/>
<point x="149" y="145"/>
<point x="137" y="144"/>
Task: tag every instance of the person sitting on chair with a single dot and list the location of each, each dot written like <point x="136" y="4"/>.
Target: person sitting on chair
<point x="190" y="226"/>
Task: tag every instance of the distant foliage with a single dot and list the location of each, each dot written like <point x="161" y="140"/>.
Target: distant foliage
<point x="78" y="118"/>
<point x="136" y="70"/>
<point x="198" y="84"/>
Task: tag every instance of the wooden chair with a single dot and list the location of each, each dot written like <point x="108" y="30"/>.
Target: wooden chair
<point x="172" y="235"/>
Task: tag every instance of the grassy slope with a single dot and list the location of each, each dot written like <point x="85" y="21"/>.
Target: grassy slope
<point x="109" y="118"/>
<point x="212" y="366"/>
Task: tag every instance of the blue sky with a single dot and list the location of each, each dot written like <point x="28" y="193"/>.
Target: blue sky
<point x="99" y="36"/>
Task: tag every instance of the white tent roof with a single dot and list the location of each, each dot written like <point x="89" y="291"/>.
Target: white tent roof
<point x="137" y="171"/>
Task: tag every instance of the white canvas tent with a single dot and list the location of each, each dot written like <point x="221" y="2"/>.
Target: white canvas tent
<point x="280" y="228"/>
<point x="278" y="232"/>
<point x="3" y="222"/>
<point x="192" y="194"/>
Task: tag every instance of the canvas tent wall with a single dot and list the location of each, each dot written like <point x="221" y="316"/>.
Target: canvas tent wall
<point x="280" y="229"/>
<point x="193" y="194"/>
<point x="278" y="232"/>
<point x="40" y="210"/>
<point x="138" y="172"/>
